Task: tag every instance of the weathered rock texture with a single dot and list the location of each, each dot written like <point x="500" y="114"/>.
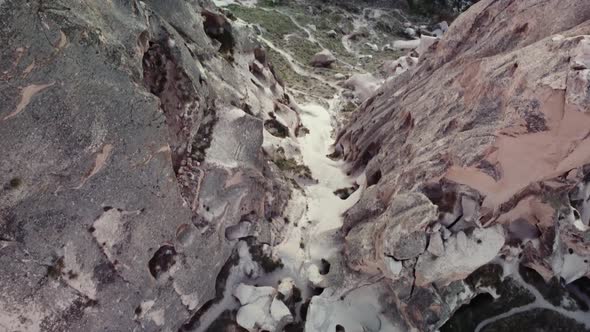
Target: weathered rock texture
<point x="482" y="150"/>
<point x="131" y="136"/>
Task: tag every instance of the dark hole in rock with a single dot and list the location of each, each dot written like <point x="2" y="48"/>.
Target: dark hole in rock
<point x="275" y="128"/>
<point x="580" y="291"/>
<point x="292" y="166"/>
<point x="576" y="214"/>
<point x="162" y="261"/>
<point x="138" y="310"/>
<point x="247" y="108"/>
<point x="14" y="183"/>
<point x="344" y="193"/>
<point x="296" y="296"/>
<point x="324" y="267"/>
<point x="523" y="230"/>
<point x="303" y="310"/>
<point x="72" y="274"/>
<point x="371" y="151"/>
<point x="107" y="208"/>
<point x="301" y="130"/>
<point x="444" y="199"/>
<point x="218" y="28"/>
<point x="235" y="232"/>
<point x="267" y="262"/>
<point x="317" y="291"/>
<point x="294" y="327"/>
<point x="226" y="322"/>
<point x="571" y="251"/>
<point x="374" y="178"/>
<point x="260" y="55"/>
<point x="337" y="154"/>
<point x="340" y="328"/>
<point x="55" y="270"/>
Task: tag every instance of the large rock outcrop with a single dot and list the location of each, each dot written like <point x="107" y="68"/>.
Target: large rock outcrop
<point x="480" y="153"/>
<point x="131" y="136"/>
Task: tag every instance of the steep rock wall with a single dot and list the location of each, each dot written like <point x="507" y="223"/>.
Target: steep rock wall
<point x="491" y="133"/>
<point x="131" y="139"/>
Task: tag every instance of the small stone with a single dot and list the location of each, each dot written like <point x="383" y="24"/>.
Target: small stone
<point x="249" y="294"/>
<point x="286" y="287"/>
<point x="436" y="245"/>
<point x="315" y="277"/>
<point x="279" y="311"/>
<point x="372" y="46"/>
<point x="394" y="266"/>
<point x="410" y="32"/>
<point x="339" y="76"/>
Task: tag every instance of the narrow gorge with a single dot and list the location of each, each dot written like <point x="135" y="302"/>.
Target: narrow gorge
<point x="295" y="165"/>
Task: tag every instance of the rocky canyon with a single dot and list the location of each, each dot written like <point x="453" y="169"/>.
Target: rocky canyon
<point x="295" y="165"/>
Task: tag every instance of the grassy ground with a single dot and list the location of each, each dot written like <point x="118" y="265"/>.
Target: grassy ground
<point x="278" y="27"/>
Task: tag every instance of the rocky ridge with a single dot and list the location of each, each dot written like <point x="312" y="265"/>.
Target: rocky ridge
<point x="478" y="155"/>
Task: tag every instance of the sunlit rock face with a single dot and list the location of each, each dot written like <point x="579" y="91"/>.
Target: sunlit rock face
<point x="131" y="136"/>
<point x="492" y="127"/>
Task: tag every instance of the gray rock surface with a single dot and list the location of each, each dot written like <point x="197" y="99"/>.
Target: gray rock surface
<point x="131" y="139"/>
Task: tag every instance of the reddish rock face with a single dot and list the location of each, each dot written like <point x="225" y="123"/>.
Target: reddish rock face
<point x="493" y="126"/>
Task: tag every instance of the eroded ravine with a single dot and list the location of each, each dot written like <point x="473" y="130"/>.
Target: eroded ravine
<point x="311" y="253"/>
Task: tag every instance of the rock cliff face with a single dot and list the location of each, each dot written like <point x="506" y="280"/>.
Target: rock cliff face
<point x="131" y="140"/>
<point x="481" y="153"/>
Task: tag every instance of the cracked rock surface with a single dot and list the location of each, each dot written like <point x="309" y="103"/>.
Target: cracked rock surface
<point x="491" y="129"/>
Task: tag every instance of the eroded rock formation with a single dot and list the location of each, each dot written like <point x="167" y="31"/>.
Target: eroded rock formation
<point x="131" y="141"/>
<point x="480" y="153"/>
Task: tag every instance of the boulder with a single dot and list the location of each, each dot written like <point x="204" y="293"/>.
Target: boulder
<point x="332" y="34"/>
<point x="410" y="32"/>
<point x="406" y="44"/>
<point x="462" y="255"/>
<point x="425" y="43"/>
<point x="363" y="85"/>
<point x="323" y="59"/>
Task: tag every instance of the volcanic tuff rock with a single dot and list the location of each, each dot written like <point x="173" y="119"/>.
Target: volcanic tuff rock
<point x="131" y="139"/>
<point x="490" y="133"/>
